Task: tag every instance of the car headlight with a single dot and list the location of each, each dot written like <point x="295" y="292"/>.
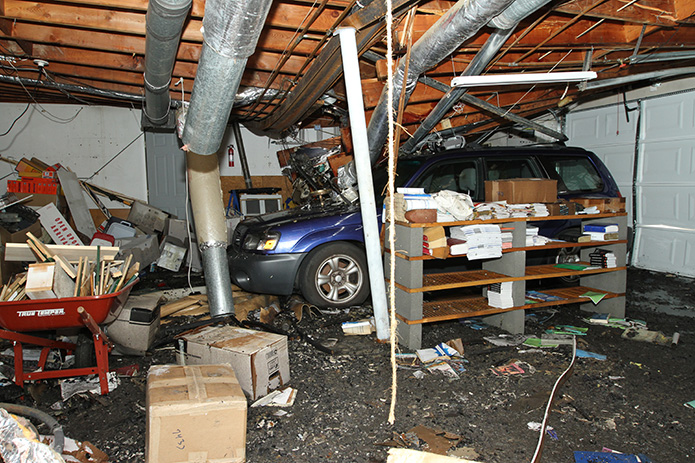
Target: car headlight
<point x="267" y="242"/>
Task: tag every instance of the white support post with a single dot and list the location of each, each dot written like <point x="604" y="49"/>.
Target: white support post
<point x="358" y="128"/>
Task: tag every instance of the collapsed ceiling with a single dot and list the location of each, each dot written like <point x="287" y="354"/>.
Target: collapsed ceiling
<point x="92" y="51"/>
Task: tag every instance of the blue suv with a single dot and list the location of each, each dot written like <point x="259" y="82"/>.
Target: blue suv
<point x="318" y="250"/>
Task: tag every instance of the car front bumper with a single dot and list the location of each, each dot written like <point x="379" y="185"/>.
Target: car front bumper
<point x="265" y="273"/>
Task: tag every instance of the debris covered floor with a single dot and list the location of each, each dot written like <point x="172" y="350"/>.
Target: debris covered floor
<point x="633" y="401"/>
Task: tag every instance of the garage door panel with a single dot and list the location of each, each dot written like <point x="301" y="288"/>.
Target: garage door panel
<point x="618" y="159"/>
<point x="668" y="117"/>
<point x="666" y="205"/>
<point x="600" y="127"/>
<point x="665" y="250"/>
<point x="668" y="162"/>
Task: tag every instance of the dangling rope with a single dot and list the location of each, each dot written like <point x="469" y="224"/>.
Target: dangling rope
<point x="391" y="209"/>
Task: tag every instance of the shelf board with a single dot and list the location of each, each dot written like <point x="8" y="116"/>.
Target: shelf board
<point x="551" y="245"/>
<point x="452" y="280"/>
<point x="435" y="311"/>
<point x="513" y="219"/>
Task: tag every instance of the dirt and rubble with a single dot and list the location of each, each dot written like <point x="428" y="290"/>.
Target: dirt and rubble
<point x="633" y="401"/>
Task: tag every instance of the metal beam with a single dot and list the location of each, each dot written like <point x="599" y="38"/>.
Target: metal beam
<point x="496" y="110"/>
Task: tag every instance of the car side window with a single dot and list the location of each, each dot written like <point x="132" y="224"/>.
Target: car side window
<point x="575" y="174"/>
<point x="503" y="168"/>
<point x="455" y="175"/>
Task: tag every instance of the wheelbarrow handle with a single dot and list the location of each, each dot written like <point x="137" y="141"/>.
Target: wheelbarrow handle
<point x="93" y="327"/>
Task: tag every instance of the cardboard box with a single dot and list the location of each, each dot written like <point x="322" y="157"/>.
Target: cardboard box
<point x="260" y="360"/>
<point x="562" y="208"/>
<point x="603" y="204"/>
<point x="195" y="414"/>
<point x="521" y="190"/>
<point x="39" y="200"/>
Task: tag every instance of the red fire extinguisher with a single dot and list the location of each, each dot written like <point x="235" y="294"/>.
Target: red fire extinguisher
<point x="230" y="155"/>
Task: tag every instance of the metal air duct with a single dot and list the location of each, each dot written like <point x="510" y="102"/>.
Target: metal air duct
<point x="230" y="35"/>
<point x="164" y="21"/>
<point x="459" y="24"/>
<point x="505" y="23"/>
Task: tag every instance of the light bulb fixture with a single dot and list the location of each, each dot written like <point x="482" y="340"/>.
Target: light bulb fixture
<point x="523" y="78"/>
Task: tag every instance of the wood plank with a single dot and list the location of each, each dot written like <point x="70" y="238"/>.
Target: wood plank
<point x="76" y="202"/>
<point x="656" y="13"/>
<point x="20" y="252"/>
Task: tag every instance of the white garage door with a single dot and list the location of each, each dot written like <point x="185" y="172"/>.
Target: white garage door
<point x="665" y="181"/>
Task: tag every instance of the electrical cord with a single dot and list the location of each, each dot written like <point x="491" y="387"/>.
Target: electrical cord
<point x="190" y="241"/>
<point x="15" y="121"/>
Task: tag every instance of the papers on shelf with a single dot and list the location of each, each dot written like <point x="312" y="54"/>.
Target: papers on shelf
<point x="500" y="295"/>
<point x="483" y="241"/>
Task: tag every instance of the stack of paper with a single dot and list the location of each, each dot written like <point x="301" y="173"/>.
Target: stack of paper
<point x="520" y="210"/>
<point x="495" y="210"/>
<point x="414" y="198"/>
<point x="533" y="238"/>
<point x="500" y="295"/>
<point x="483" y="241"/>
<point x="506" y="240"/>
<point x="540" y="210"/>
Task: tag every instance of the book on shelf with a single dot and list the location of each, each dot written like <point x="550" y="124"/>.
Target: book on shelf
<point x="580" y="239"/>
<point x="601" y="236"/>
<point x="537" y="296"/>
<point x="603" y="258"/>
<point x="601" y="227"/>
<point x="457" y="246"/>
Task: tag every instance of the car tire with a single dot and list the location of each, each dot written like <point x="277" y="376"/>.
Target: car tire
<point x="335" y="275"/>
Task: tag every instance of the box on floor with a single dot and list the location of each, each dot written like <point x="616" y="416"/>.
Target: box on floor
<point x="260" y="360"/>
<point x="195" y="413"/>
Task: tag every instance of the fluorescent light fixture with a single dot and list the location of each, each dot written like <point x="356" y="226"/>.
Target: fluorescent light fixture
<point x="523" y="78"/>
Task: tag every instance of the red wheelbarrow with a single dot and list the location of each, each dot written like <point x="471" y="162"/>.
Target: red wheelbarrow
<point x="56" y="314"/>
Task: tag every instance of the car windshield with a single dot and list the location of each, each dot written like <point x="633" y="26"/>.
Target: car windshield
<point x="404" y="170"/>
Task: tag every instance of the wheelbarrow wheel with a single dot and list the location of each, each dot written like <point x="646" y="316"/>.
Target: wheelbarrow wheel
<point x="85" y="356"/>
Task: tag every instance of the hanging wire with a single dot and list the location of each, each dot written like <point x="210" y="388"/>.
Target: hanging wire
<point x="44" y="112"/>
<point x="27" y="106"/>
<point x="113" y="158"/>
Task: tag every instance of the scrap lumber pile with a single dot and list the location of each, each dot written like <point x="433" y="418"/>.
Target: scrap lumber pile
<point x="188" y="305"/>
<point x="197" y="304"/>
<point x="55" y="276"/>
